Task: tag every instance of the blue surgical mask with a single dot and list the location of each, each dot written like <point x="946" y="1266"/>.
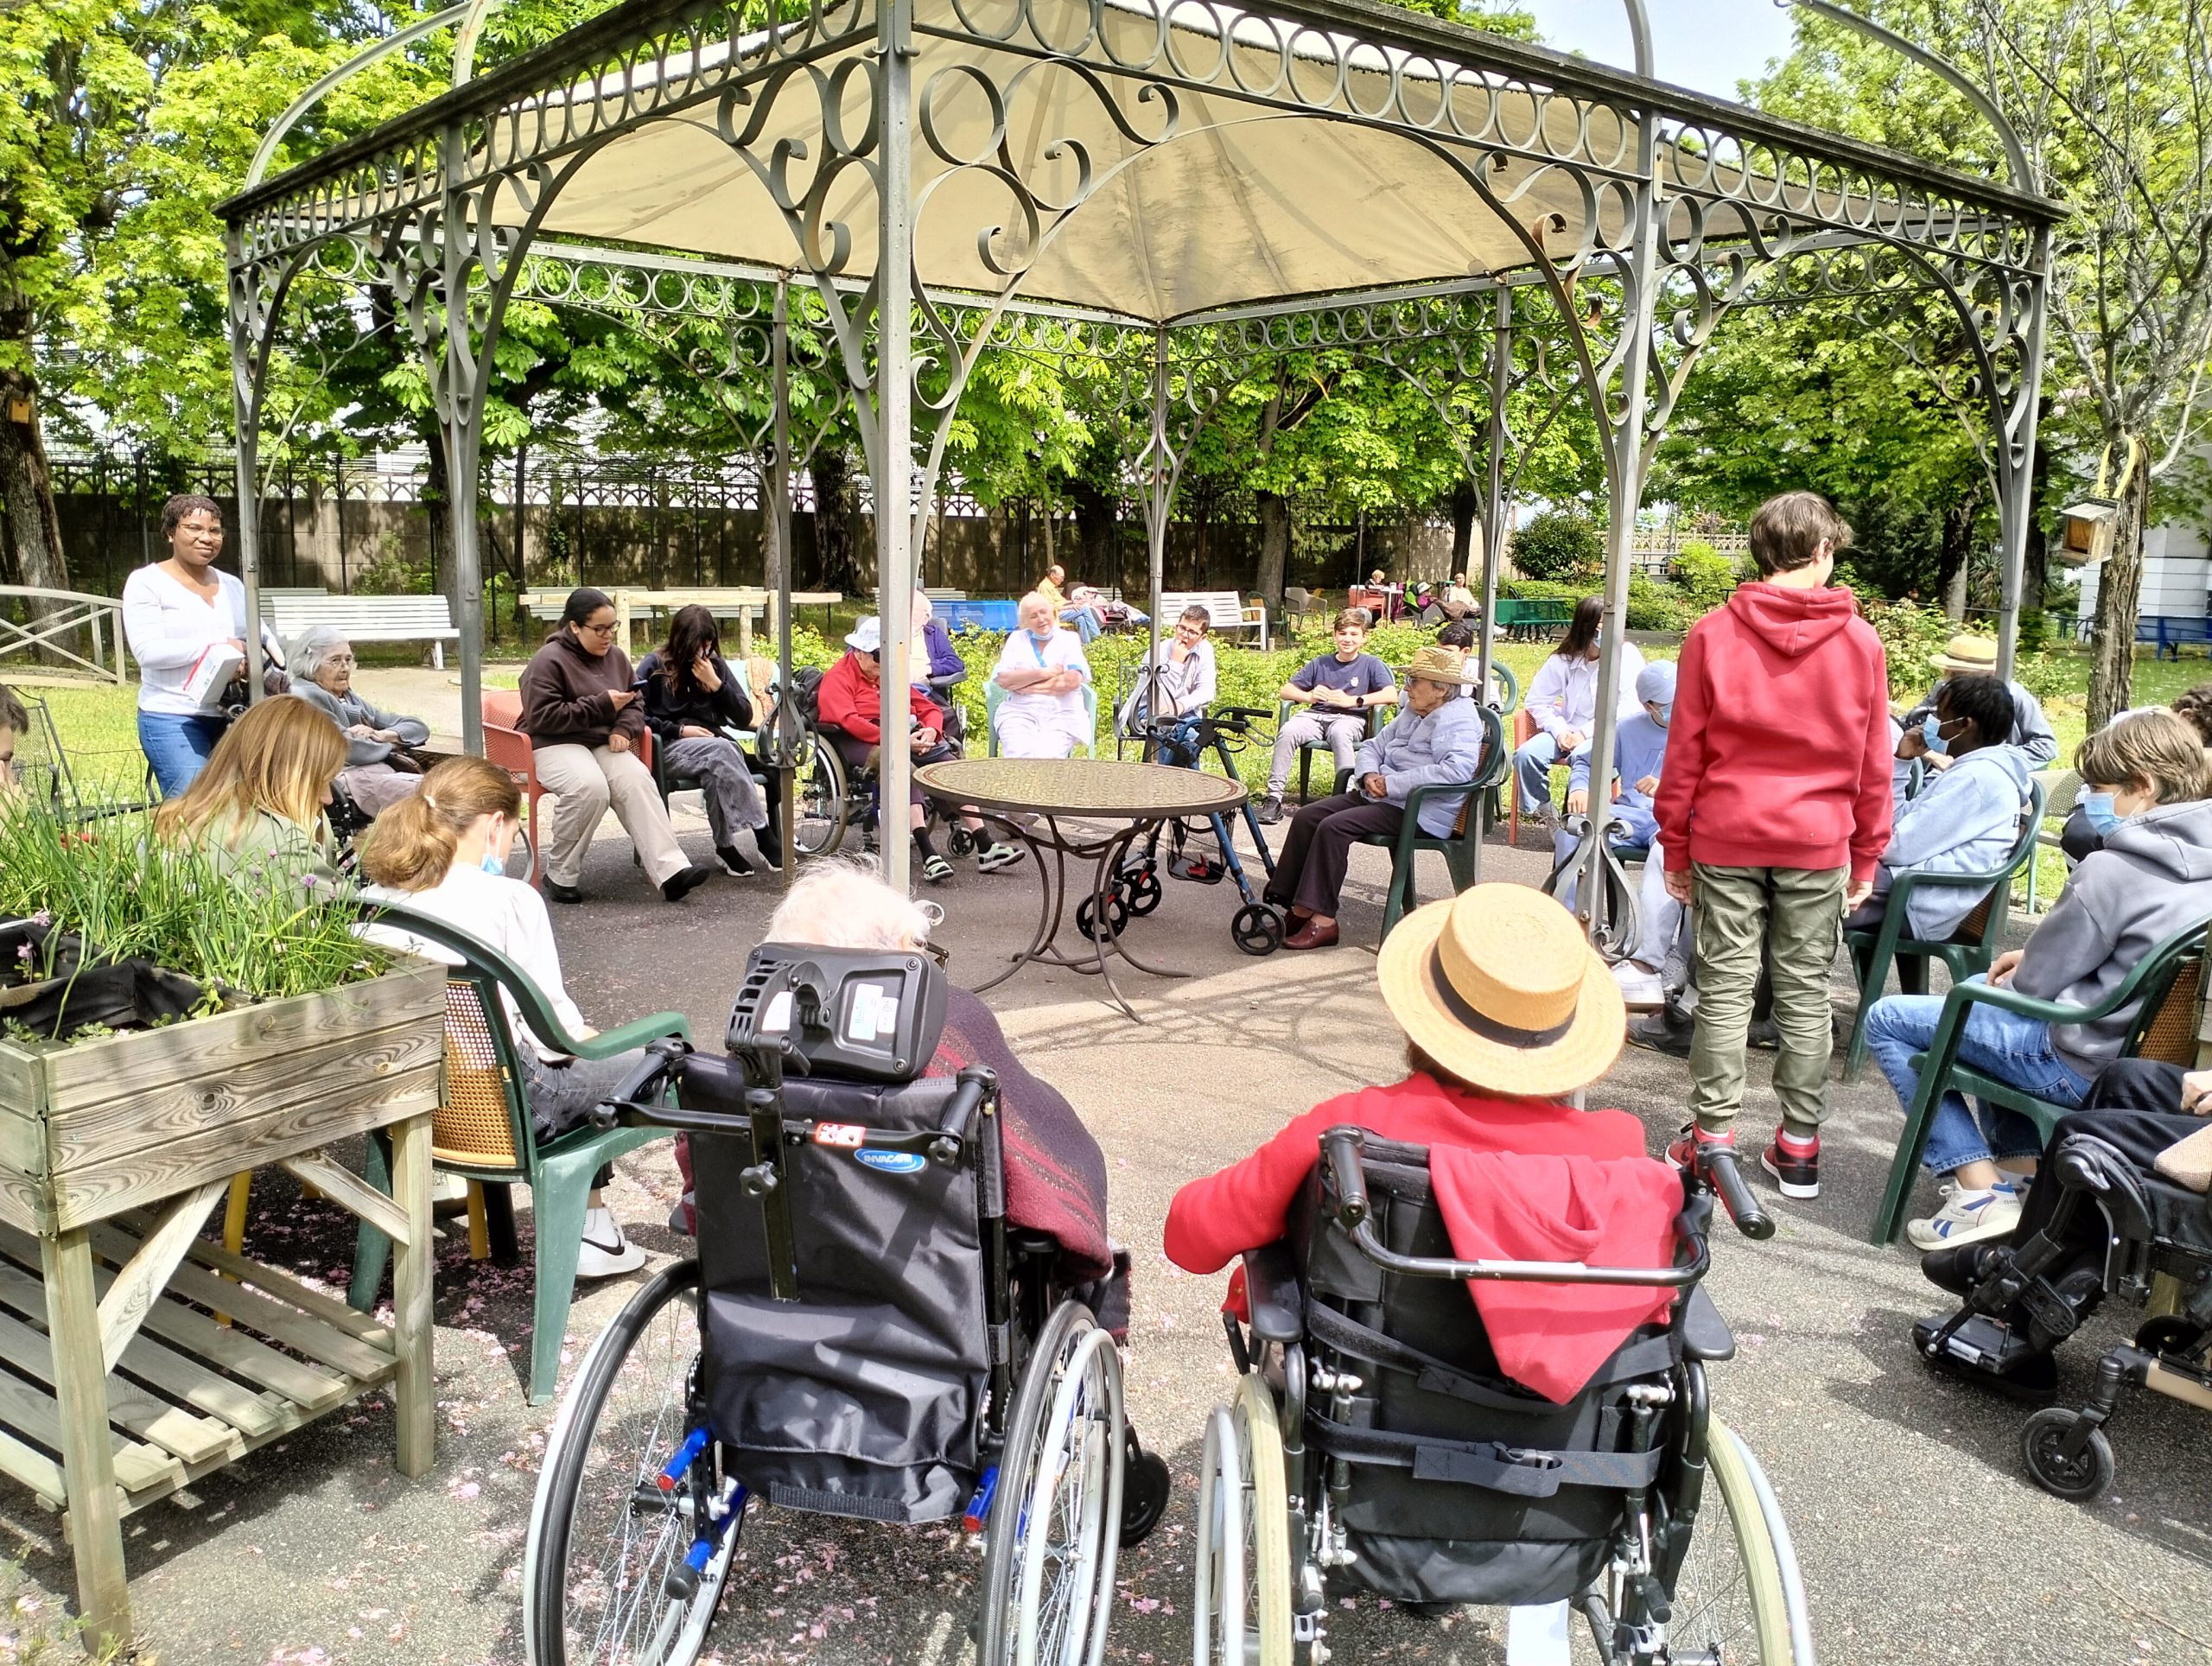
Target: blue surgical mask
<point x="1661" y="715"/>
<point x="2103" y="815"/>
<point x="492" y="864"/>
<point x="1931" y="732"/>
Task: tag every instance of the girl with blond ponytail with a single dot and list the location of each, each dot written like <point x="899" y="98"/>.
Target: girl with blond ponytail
<point x="442" y="851"/>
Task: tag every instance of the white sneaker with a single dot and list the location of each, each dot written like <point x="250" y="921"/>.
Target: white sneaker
<point x="606" y="1252"/>
<point x="1968" y="1217"/>
<point x="1642" y="990"/>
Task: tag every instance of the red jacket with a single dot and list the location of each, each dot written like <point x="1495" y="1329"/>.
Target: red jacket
<point x="1247" y="1205"/>
<point x="1779" y="752"/>
<point x="856" y="705"/>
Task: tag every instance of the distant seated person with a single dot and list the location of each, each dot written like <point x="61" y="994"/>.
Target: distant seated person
<point x="1444" y="604"/>
<point x="1186" y="682"/>
<point x="379" y="773"/>
<point x="1965" y="820"/>
<point x="2082" y="834"/>
<point x="1043" y="672"/>
<point x="850" y="705"/>
<point x="1374" y="597"/>
<point x="1631" y="830"/>
<point x="1563" y="704"/>
<point x="691" y="697"/>
<point x="2152" y="878"/>
<point x="258" y="805"/>
<point x="1434" y="740"/>
<point x="1079" y="606"/>
<point x="938" y="667"/>
<point x="579" y="708"/>
<point x="443" y="851"/>
<point x="15" y="723"/>
<point x="1967" y="655"/>
<point x="1506" y="1010"/>
<point x="1335" y="691"/>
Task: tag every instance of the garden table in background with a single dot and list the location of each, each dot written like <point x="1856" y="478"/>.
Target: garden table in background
<point x="1036" y="799"/>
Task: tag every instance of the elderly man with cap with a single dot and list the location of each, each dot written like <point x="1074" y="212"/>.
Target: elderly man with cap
<point x="1973" y="656"/>
<point x="1506" y="1010"/>
<point x="850" y="703"/>
<point x="1434" y="740"/>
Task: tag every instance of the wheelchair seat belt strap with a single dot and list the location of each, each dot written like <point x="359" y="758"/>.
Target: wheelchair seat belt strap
<point x="1525" y="1471"/>
<point x="1647" y="1357"/>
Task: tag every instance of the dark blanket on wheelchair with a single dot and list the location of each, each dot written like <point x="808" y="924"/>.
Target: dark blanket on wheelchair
<point x="864" y="1397"/>
<point x="1465" y="1486"/>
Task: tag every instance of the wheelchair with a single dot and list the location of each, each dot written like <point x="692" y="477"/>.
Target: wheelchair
<point x="2047" y="1286"/>
<point x="822" y="797"/>
<point x="1374" y="1445"/>
<point x="863" y="1335"/>
<point x="1182" y="743"/>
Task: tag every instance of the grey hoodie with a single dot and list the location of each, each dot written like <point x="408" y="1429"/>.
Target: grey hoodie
<point x="2152" y="878"/>
<point x="1965" y="820"/>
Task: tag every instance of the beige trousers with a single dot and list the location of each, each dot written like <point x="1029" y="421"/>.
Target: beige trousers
<point x="584" y="781"/>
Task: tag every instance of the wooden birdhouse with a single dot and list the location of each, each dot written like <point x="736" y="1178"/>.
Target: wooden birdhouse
<point x="2085" y="531"/>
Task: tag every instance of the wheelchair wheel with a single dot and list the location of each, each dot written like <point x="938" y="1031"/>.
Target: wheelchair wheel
<point x="821" y="792"/>
<point x="1731" y="1600"/>
<point x="2079" y="1478"/>
<point x="1055" y="1522"/>
<point x="1089" y="922"/>
<point x="1140" y="890"/>
<point x="1258" y="929"/>
<point x="1240" y="1612"/>
<point x="604" y="1538"/>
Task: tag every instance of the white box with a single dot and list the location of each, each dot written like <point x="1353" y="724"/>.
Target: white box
<point x="215" y="669"/>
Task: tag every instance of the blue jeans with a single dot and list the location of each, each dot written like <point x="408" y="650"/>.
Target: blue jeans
<point x="2013" y="1049"/>
<point x="177" y="746"/>
<point x="1085" y="623"/>
<point x="1533" y="765"/>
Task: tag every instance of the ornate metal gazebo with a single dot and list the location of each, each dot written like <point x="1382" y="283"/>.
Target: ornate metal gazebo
<point x="1177" y="188"/>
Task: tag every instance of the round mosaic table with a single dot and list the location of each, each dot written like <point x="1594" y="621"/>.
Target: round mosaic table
<point x="1034" y="799"/>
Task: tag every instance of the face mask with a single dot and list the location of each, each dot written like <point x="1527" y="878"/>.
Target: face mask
<point x="1598" y="640"/>
<point x="1661" y="715"/>
<point x="2101" y="812"/>
<point x="1931" y="732"/>
<point x="492" y="864"/>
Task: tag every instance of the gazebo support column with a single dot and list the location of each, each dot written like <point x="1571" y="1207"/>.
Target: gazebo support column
<point x="460" y="379"/>
<point x="1161" y="473"/>
<point x="895" y="397"/>
<point x="1494" y="508"/>
<point x="2016" y="465"/>
<point x="787" y="736"/>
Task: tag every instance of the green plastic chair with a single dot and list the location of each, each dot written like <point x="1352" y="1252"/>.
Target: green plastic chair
<point x="993" y="694"/>
<point x="1966" y="951"/>
<point x="1283" y="713"/>
<point x="482" y="1128"/>
<point x="1459" y="848"/>
<point x="2166" y="981"/>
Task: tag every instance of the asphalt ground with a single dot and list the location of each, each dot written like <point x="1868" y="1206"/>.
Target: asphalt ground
<point x="1919" y="1536"/>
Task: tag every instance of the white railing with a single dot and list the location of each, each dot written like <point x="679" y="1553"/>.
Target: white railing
<point x="64" y="613"/>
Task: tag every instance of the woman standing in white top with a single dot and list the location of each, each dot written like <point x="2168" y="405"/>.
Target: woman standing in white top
<point x="1563" y="702"/>
<point x="444" y="850"/>
<point x="173" y="612"/>
<point x="1042" y="671"/>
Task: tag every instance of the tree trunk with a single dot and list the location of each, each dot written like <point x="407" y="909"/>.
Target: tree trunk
<point x="837" y="534"/>
<point x="1956" y="555"/>
<point x="2119" y="591"/>
<point x="30" y="541"/>
<point x="1097" y="561"/>
<point x="1464" y="506"/>
<point x="1275" y="543"/>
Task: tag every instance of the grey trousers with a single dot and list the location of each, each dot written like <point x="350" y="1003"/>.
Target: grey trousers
<point x="733" y="797"/>
<point x="1341" y="731"/>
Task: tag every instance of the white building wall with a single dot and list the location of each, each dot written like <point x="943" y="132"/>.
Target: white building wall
<point x="2177" y="574"/>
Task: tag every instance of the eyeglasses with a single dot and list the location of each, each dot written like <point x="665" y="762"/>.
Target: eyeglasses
<point x="606" y="629"/>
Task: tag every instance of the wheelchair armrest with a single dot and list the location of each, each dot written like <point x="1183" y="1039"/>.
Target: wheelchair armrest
<point x="2085" y="1163"/>
<point x="1706" y="1335"/>
<point x="1271" y="1294"/>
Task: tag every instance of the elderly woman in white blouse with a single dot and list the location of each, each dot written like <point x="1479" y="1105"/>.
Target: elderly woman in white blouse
<point x="1043" y="672"/>
<point x="321" y="665"/>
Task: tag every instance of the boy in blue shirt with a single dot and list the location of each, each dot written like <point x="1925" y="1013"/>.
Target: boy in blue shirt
<point x="1337" y="690"/>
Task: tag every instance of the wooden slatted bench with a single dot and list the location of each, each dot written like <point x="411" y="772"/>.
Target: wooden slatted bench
<point x="368" y="619"/>
<point x="1228" y="611"/>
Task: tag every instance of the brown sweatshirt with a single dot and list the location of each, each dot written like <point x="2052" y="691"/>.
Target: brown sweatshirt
<point x="565" y="693"/>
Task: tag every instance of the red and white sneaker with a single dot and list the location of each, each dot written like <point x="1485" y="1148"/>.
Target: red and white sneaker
<point x="1794" y="1164"/>
<point x="1679" y="1153"/>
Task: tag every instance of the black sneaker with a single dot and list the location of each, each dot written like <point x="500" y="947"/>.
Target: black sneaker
<point x="683" y="882"/>
<point x="1270" y="810"/>
<point x="1764" y="1036"/>
<point x="732" y="861"/>
<point x="1797" y="1173"/>
<point x="1665" y="1031"/>
<point x="770" y="848"/>
<point x="560" y="893"/>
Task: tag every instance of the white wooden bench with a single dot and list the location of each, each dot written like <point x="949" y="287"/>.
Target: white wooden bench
<point x="1228" y="611"/>
<point x="368" y="619"/>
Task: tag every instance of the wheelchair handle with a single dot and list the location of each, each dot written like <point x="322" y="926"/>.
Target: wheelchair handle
<point x="1343" y="1146"/>
<point x="1719" y="1166"/>
<point x="661" y="1057"/>
<point x="951" y="1140"/>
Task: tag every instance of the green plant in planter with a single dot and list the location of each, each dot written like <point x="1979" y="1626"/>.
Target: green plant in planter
<point x="126" y="894"/>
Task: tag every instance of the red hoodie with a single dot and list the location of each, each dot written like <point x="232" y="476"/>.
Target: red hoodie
<point x="856" y="705"/>
<point x="1779" y="752"/>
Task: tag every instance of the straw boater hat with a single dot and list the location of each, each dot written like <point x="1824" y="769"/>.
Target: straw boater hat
<point x="1968" y="656"/>
<point x="1441" y="665"/>
<point x="1498" y="986"/>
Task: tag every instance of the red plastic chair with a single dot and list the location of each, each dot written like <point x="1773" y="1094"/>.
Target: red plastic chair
<point x="505" y="745"/>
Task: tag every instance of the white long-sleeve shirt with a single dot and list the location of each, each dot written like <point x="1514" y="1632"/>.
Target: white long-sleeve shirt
<point x="169" y="626"/>
<point x="1564" y="694"/>
<point x="505" y="913"/>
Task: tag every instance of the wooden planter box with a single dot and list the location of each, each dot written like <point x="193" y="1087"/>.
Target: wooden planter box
<point x="121" y="1381"/>
<point x="89" y="1130"/>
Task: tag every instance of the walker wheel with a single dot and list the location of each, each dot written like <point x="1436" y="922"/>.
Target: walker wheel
<point x="1258" y="929"/>
<point x="2079" y="1478"/>
<point x="1146" y="1489"/>
<point x="1140" y="890"/>
<point x="1089" y="922"/>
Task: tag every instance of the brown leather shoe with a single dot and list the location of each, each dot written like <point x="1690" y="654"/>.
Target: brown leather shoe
<point x="1311" y="936"/>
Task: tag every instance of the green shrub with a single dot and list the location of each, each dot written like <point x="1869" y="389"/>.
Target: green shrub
<point x="1653" y="605"/>
<point x="1911" y="636"/>
<point x="1545" y="589"/>
<point x="1563" y="544"/>
<point x="1705" y="576"/>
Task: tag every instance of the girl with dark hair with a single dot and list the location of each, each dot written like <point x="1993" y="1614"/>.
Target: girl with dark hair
<point x="691" y="697"/>
<point x="580" y="709"/>
<point x="1563" y="704"/>
<point x="173" y="612"/>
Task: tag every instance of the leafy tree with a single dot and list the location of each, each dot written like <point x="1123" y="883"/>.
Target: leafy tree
<point x="1561" y="544"/>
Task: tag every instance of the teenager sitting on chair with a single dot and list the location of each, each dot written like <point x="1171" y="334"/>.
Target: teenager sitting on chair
<point x="444" y="850"/>
<point x="2153" y="878"/>
<point x="1435" y="739"/>
<point x="1563" y="704"/>
<point x="691" y="696"/>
